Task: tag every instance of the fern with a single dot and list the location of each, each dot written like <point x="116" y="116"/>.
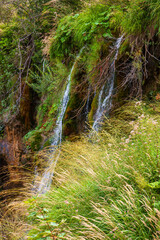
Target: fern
<point x="73" y="32"/>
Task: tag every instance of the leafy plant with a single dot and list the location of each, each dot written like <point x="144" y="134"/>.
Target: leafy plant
<point x="75" y="31"/>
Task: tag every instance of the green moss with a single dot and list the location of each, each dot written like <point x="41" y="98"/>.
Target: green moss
<point x="74" y="32"/>
<point x="48" y="142"/>
<point x="124" y="48"/>
<point x="33" y="140"/>
<point x="94" y="53"/>
<point x="93" y="109"/>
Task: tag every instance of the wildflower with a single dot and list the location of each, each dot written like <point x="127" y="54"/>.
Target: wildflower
<point x="138" y="103"/>
<point x="135" y="127"/>
<point x="66" y="201"/>
<point x="142" y="116"/>
<point x="108" y="180"/>
<point x="127" y="140"/>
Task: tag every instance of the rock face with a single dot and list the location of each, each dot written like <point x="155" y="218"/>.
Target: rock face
<point x="11" y="152"/>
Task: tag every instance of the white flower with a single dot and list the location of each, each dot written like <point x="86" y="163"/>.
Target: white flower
<point x="138" y="103"/>
<point x="142" y="116"/>
<point x="135" y="127"/>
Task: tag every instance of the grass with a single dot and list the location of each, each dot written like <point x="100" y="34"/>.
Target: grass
<point x="101" y="188"/>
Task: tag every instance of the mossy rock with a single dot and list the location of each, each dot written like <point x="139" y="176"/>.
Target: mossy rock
<point x="36" y="142"/>
<point x="48" y="142"/>
<point x="94" y="106"/>
<point x="33" y="140"/>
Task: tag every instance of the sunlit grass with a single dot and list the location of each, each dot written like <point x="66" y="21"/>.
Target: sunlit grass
<point x="101" y="186"/>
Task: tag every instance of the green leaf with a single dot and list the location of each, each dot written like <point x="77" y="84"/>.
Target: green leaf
<point x="61" y="235"/>
<point x="63" y="39"/>
<point x="45" y="209"/>
<point x="154" y="185"/>
<point x="106" y="35"/>
<point x="40" y="216"/>
<point x="53" y="224"/>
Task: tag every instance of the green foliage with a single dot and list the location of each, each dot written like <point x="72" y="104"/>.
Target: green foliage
<point x="6" y="12"/>
<point x="8" y="64"/>
<point x="155" y="13"/>
<point x="75" y="31"/>
<point x="94" y="53"/>
<point x="154" y="185"/>
<point x="21" y="48"/>
<point x="90" y="22"/>
<point x="33" y="140"/>
<point x="49" y="84"/>
<point x="136" y="17"/>
<point x="43" y="80"/>
<point x="62" y="43"/>
<point x="48" y="228"/>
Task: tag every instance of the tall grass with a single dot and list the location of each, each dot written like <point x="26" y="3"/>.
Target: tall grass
<point x="101" y="188"/>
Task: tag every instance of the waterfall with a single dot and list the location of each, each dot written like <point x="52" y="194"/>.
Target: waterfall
<point x="105" y="95"/>
<point x="48" y="174"/>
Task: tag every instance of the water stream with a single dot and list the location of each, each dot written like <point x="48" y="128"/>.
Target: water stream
<point x="46" y="180"/>
<point x="105" y="95"/>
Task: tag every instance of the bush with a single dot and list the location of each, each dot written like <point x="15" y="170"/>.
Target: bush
<point x="137" y="17"/>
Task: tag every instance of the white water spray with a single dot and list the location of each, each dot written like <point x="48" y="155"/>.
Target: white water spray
<point x="48" y="174"/>
<point x="105" y="95"/>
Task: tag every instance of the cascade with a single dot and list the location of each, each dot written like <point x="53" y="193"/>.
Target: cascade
<point x="105" y="95"/>
<point x="48" y="174"/>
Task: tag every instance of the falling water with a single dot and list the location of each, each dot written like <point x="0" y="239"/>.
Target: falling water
<point x="105" y="95"/>
<point x="48" y="174"/>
